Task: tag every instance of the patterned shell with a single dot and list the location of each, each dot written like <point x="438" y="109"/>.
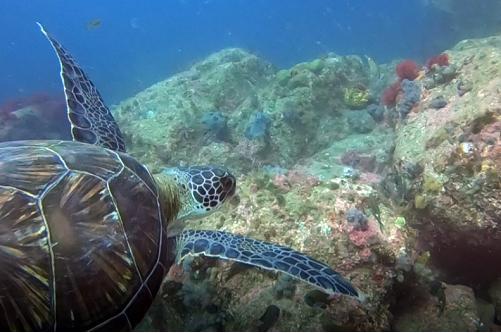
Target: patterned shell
<point x="82" y="240"/>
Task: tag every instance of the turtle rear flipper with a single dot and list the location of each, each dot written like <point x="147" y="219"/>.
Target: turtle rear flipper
<point x="91" y="120"/>
<point x="261" y="254"/>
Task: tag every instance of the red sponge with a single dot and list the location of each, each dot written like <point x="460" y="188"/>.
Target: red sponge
<point x="390" y="94"/>
<point x="407" y="69"/>
<point x="440" y="60"/>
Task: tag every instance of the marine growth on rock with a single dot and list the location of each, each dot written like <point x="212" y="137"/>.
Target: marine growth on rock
<point x="357" y="218"/>
<point x="407" y="70"/>
<point x="215" y="124"/>
<point x="258" y="127"/>
<point x="411" y="94"/>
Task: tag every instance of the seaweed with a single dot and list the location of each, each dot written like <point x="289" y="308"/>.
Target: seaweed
<point x="373" y="207"/>
<point x="395" y="187"/>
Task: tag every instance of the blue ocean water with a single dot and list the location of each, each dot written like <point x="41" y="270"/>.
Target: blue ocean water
<point x="137" y="43"/>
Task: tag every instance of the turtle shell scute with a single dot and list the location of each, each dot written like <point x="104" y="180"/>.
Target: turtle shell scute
<point x="142" y="222"/>
<point x="95" y="272"/>
<point x="102" y="163"/>
<point x="25" y="264"/>
<point x="95" y="231"/>
<point x="140" y="170"/>
<point x="30" y="169"/>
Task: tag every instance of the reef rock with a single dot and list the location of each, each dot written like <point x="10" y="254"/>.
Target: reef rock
<point x="270" y="117"/>
<point x="457" y="197"/>
<point x="170" y="122"/>
<point x="454" y="309"/>
<point x="312" y="216"/>
<point x="309" y="150"/>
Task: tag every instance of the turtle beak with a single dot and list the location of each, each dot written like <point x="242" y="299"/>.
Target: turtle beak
<point x="229" y="184"/>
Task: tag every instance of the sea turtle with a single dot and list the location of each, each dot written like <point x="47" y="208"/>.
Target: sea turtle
<point x="83" y="225"/>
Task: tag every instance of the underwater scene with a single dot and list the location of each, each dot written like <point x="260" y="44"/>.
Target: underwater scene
<point x="250" y="165"/>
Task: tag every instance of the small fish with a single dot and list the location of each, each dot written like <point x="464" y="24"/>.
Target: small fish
<point x="94" y="24"/>
<point x="134" y="23"/>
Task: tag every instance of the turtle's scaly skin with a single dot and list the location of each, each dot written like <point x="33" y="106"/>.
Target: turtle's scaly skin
<point x="266" y="255"/>
<point x="90" y="119"/>
<point x="204" y="188"/>
<point x="82" y="242"/>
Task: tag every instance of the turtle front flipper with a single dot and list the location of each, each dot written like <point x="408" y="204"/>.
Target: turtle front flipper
<point x="91" y="120"/>
<point x="265" y="255"/>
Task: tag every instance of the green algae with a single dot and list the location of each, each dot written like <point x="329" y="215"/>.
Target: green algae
<point x="400" y="222"/>
<point x="431" y="184"/>
<point x="420" y="201"/>
<point x="356" y="98"/>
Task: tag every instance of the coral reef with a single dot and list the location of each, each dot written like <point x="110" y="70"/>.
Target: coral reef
<point x="296" y="106"/>
<point x="308" y="215"/>
<point x="456" y="198"/>
<point x="401" y="197"/>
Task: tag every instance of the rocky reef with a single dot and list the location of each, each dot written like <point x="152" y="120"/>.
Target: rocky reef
<point x="456" y="195"/>
<point x="400" y="195"/>
<point x="295" y="107"/>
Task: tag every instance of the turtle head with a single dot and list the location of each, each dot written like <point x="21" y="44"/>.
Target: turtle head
<point x="202" y="189"/>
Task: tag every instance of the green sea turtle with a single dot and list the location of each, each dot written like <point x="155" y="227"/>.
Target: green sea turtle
<point x="83" y="225"/>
